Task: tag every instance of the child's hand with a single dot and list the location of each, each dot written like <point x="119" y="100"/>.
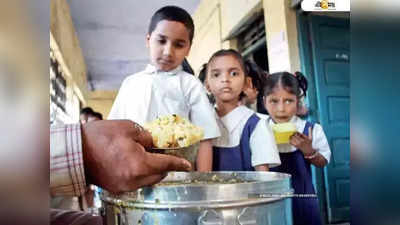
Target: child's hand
<point x="303" y="142"/>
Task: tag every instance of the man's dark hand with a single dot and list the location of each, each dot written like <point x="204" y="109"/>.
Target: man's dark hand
<point x="115" y="158"/>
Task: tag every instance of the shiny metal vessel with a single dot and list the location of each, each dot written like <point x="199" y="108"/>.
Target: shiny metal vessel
<point x="215" y="198"/>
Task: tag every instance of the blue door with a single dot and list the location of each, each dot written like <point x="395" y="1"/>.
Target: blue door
<point x="325" y="46"/>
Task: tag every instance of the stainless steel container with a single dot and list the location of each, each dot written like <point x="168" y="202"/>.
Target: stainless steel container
<point x="215" y="198"/>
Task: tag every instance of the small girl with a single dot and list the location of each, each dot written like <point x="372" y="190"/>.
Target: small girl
<point x="246" y="143"/>
<point x="282" y="93"/>
<point x="163" y="88"/>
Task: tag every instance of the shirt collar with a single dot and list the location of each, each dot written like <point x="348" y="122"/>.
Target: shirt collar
<point x="150" y="69"/>
<point x="292" y="120"/>
<point x="233" y="118"/>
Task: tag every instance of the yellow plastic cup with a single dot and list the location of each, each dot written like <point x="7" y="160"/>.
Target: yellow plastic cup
<point x="283" y="132"/>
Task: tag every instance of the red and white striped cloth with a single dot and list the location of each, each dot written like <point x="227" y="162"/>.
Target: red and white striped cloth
<point x="67" y="175"/>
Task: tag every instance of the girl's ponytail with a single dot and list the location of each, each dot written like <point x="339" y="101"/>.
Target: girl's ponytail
<point x="303" y="84"/>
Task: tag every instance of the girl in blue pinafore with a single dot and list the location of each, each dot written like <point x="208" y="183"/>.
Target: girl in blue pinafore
<point x="246" y="142"/>
<point x="282" y="98"/>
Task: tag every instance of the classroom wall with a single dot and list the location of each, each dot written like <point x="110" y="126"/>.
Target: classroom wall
<point x="282" y="38"/>
<point x="207" y="38"/>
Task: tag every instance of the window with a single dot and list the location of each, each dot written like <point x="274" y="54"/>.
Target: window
<point x="252" y="42"/>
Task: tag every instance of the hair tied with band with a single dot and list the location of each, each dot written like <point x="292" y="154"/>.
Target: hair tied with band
<point x="302" y="82"/>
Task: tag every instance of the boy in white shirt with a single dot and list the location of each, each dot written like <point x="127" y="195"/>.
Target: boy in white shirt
<point x="163" y="88"/>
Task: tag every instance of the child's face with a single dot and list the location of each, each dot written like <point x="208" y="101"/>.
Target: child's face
<point x="169" y="44"/>
<point x="281" y="105"/>
<point x="225" y="78"/>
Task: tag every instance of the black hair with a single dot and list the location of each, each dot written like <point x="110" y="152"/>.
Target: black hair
<point x="87" y="110"/>
<point x="293" y="83"/>
<point x="203" y="73"/>
<point x="186" y="66"/>
<point x="258" y="77"/>
<point x="172" y="13"/>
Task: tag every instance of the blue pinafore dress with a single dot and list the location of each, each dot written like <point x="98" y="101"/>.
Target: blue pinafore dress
<point x="236" y="158"/>
<point x="305" y="210"/>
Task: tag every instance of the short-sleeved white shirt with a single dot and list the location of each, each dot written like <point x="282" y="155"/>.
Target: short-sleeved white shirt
<point x="262" y="143"/>
<point x="319" y="140"/>
<point x="146" y="95"/>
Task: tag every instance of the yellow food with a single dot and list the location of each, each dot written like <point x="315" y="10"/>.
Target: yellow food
<point x="173" y="131"/>
<point x="283" y="132"/>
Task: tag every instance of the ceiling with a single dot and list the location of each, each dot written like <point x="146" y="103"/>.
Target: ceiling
<point x="112" y="36"/>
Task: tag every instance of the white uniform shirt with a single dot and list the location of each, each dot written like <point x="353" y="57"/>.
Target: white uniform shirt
<point x="262" y="143"/>
<point x="319" y="140"/>
<point x="146" y="95"/>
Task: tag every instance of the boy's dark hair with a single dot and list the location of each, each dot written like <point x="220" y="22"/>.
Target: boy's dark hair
<point x="203" y="73"/>
<point x="293" y="83"/>
<point x="231" y="52"/>
<point x="173" y="13"/>
<point x="87" y="110"/>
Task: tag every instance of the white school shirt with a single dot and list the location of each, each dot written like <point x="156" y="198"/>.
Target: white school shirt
<point x="319" y="140"/>
<point x="146" y="95"/>
<point x="262" y="143"/>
